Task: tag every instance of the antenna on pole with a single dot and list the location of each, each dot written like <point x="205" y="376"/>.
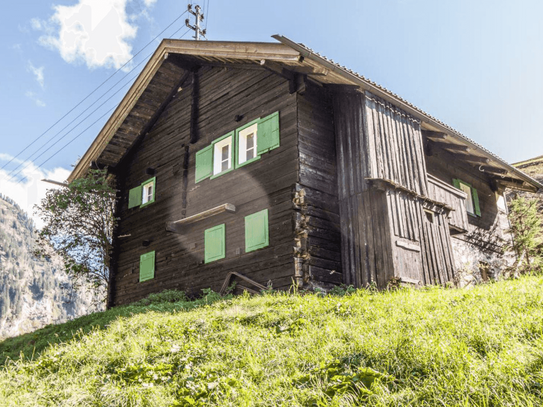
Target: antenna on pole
<point x="199" y="17"/>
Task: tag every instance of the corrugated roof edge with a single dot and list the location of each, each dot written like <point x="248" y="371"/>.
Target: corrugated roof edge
<point x="384" y="92"/>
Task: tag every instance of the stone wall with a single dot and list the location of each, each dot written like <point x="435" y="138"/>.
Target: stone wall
<point x="482" y="255"/>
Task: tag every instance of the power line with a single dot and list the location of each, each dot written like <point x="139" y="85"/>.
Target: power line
<point x="81" y="114"/>
<point x="90" y="94"/>
<point x="207" y="13"/>
<point x="81" y="133"/>
<point x="72" y="129"/>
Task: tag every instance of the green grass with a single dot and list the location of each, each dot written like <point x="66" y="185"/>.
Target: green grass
<point x="430" y="347"/>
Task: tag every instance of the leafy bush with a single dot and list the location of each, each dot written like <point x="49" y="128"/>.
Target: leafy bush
<point x="527" y="229"/>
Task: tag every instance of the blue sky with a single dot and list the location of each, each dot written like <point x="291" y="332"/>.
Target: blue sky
<point x="476" y="65"/>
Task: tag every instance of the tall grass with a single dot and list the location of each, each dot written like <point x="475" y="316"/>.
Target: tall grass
<point x="429" y="347"/>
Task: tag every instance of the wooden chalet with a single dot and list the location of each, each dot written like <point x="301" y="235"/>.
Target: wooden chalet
<point x="268" y="164"/>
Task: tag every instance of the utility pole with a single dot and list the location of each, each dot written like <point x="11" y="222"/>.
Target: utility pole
<point x="199" y="17"/>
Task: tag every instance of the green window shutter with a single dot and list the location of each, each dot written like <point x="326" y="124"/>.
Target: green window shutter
<point x="456" y="183"/>
<point x="204" y="163"/>
<point x="134" y="197"/>
<point x="268" y="133"/>
<point x="256" y="231"/>
<point x="147" y="266"/>
<point x="215" y="243"/>
<point x="475" y="197"/>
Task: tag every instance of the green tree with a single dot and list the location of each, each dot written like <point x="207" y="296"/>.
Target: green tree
<point x="79" y="221"/>
<point x="527" y="229"/>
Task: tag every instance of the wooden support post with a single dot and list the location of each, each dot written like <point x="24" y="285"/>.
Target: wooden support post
<point x="194" y="107"/>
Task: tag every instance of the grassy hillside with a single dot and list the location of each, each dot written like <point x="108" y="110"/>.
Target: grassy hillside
<point x="431" y="347"/>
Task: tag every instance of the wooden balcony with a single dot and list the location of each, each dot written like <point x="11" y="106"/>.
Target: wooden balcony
<point x="453" y="197"/>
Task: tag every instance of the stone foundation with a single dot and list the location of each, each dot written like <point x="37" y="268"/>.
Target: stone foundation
<point x="481" y="255"/>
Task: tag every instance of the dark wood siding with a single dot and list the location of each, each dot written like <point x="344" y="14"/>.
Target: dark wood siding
<point x="318" y="179"/>
<point x="266" y="183"/>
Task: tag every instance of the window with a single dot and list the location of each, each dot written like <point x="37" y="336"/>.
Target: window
<point x="256" y="231"/>
<point x="247" y="143"/>
<point x="147" y="266"/>
<point x="148" y="192"/>
<point x="215" y="244"/>
<point x="143" y="194"/>
<point x="222" y="154"/>
<point x="429" y="215"/>
<point x="242" y="146"/>
<point x="472" y="199"/>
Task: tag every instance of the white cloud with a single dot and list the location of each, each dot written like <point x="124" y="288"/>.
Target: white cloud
<point x="38" y="73"/>
<point x="149" y="3"/>
<point x="96" y="32"/>
<point x="32" y="189"/>
<point x="36" y="24"/>
<point x="34" y="97"/>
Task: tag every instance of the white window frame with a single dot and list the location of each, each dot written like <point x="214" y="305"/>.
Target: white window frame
<point x="147" y="196"/>
<point x="217" y="155"/>
<point x="470" y="206"/>
<point x="242" y="148"/>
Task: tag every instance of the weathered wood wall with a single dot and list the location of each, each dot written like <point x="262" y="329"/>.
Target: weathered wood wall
<point x="394" y="140"/>
<point x="382" y="188"/>
<point x="318" y="179"/>
<point x="267" y="183"/>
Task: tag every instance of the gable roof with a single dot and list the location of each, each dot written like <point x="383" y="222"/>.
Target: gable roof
<point x="172" y="61"/>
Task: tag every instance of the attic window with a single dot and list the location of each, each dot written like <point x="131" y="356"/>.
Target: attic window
<point x="222" y="154"/>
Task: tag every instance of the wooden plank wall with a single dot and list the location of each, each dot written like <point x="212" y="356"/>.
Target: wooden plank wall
<point x="437" y="254"/>
<point x="318" y="178"/>
<point x="366" y="252"/>
<point x="395" y="142"/>
<point x="384" y="228"/>
<point x="266" y="183"/>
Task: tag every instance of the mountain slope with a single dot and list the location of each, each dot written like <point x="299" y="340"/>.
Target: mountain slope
<point x="33" y="292"/>
<point x="427" y="347"/>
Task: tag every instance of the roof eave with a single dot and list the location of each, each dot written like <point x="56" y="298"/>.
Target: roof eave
<point x="365" y="85"/>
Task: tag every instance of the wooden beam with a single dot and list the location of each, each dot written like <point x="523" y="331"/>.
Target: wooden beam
<point x="514" y="184"/>
<point x="306" y="70"/>
<point x="492" y="170"/>
<point x="450" y="146"/>
<point x="241" y="276"/>
<point x="176" y="226"/>
<point x="342" y="88"/>
<point x="471" y="158"/>
<point x="434" y="134"/>
<point x="194" y="106"/>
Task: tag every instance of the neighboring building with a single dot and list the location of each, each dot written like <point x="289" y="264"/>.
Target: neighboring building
<point x="275" y="163"/>
<point x="533" y="167"/>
